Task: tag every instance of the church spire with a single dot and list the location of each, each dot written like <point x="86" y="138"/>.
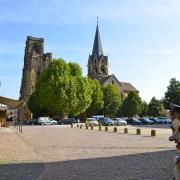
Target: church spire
<point x="97" y="47"/>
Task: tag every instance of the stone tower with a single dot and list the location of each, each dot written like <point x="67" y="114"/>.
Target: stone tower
<point x="97" y="62"/>
<point x="35" y="61"/>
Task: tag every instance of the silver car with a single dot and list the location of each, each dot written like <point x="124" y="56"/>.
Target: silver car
<point x="119" y="122"/>
<point x="92" y="121"/>
<point x="46" y="121"/>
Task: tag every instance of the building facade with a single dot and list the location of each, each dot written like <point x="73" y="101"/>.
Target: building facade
<point x="98" y="68"/>
<point x="35" y="61"/>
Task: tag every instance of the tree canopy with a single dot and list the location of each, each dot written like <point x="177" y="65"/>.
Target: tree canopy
<point x="155" y="108"/>
<point x="97" y="98"/>
<point x="61" y="90"/>
<point x="112" y="100"/>
<point x="131" y="106"/>
<point x="172" y="95"/>
<point x="144" y="108"/>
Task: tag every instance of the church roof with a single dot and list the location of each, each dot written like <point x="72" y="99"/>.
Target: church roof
<point x="126" y="86"/>
<point x="123" y="86"/>
<point x="97" y="47"/>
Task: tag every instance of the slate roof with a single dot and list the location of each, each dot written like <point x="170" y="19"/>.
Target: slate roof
<point x="97" y="47"/>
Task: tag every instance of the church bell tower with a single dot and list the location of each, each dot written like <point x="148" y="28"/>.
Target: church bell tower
<point x="97" y="62"/>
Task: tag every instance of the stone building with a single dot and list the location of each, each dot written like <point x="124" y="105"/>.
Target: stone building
<point x="35" y="61"/>
<point x="98" y="68"/>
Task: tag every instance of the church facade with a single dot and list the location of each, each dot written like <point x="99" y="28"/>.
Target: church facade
<point x="35" y="61"/>
<point x="98" y="68"/>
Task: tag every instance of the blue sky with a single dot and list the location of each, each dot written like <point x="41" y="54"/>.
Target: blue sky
<point x="140" y="37"/>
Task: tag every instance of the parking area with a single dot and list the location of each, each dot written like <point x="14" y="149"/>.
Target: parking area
<point x="62" y="152"/>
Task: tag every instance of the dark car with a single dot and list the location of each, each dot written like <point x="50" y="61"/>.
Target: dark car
<point x="106" y="121"/>
<point x="32" y="122"/>
<point x="146" y="121"/>
<point x="155" y="120"/>
<point x="163" y="120"/>
<point x="68" y="121"/>
<point x="133" y="121"/>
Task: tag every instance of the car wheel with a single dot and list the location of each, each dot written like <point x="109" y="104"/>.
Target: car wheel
<point x="32" y="123"/>
<point x="42" y="124"/>
<point x="54" y="123"/>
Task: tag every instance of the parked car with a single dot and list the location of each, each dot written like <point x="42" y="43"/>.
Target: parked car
<point x="32" y="122"/>
<point x="164" y="120"/>
<point x="146" y="121"/>
<point x="46" y="121"/>
<point x="168" y="120"/>
<point x="104" y="121"/>
<point x="133" y="121"/>
<point x="98" y="116"/>
<point x="155" y="120"/>
<point x="92" y="121"/>
<point x="119" y="122"/>
<point x="68" y="121"/>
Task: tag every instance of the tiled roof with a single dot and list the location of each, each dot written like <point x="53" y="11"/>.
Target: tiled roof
<point x="126" y="86"/>
<point x="123" y="86"/>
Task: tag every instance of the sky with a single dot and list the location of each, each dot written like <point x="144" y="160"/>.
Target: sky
<point x="140" y="37"/>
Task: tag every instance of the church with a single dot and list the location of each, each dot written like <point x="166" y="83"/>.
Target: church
<point x="35" y="61"/>
<point x="98" y="68"/>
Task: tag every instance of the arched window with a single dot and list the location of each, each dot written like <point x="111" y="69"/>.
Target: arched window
<point x="103" y="69"/>
<point x="112" y="81"/>
<point x="95" y="69"/>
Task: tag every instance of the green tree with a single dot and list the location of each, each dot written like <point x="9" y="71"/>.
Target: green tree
<point x="172" y="95"/>
<point x="144" y="108"/>
<point x="63" y="90"/>
<point x="97" y="98"/>
<point x="112" y="100"/>
<point x="131" y="106"/>
<point x="155" y="108"/>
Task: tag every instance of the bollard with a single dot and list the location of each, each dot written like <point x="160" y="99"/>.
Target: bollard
<point x="100" y="128"/>
<point x="92" y="127"/>
<point x="106" y="128"/>
<point x="77" y="125"/>
<point x="138" y="131"/>
<point x="86" y="126"/>
<point x="115" y="129"/>
<point x="153" y="132"/>
<point x="71" y="125"/>
<point x="80" y="126"/>
<point x="125" y="130"/>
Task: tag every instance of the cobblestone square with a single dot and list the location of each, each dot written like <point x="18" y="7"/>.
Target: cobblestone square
<point x="62" y="152"/>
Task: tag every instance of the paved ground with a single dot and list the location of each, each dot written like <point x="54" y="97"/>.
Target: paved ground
<point x="61" y="152"/>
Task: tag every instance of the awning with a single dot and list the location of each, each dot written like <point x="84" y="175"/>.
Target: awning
<point x="11" y="102"/>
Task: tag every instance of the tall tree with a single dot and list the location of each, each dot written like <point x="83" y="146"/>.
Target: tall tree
<point x="112" y="100"/>
<point x="97" y="98"/>
<point x="131" y="106"/>
<point x="155" y="108"/>
<point x="172" y="95"/>
<point x="63" y="90"/>
<point x="144" y="108"/>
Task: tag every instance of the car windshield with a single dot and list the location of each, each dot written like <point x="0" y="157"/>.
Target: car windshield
<point x="135" y="120"/>
<point x="91" y="119"/>
<point x="108" y="119"/>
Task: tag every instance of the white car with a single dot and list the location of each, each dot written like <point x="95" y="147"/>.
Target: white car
<point x="46" y="121"/>
<point x="92" y="121"/>
<point x="119" y="122"/>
